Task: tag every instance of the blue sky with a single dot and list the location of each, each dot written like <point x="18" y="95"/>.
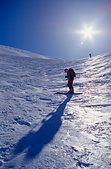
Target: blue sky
<point x="48" y="27"/>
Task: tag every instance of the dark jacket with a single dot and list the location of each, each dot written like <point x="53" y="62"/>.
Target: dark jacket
<point x="70" y="74"/>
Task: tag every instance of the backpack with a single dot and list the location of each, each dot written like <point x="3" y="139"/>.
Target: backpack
<point x="72" y="73"/>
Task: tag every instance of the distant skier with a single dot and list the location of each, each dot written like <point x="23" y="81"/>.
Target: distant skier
<point x="90" y="55"/>
<point x="70" y="76"/>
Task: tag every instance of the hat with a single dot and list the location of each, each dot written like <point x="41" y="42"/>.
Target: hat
<point x="66" y="69"/>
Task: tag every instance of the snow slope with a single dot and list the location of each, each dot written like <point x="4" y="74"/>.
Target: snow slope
<point x="43" y="130"/>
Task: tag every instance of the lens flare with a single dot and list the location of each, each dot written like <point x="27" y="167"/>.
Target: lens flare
<point x="87" y="33"/>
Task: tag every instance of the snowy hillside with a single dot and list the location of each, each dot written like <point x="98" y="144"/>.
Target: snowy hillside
<point x="40" y="129"/>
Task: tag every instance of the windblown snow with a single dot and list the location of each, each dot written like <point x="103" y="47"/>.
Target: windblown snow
<point x="40" y="129"/>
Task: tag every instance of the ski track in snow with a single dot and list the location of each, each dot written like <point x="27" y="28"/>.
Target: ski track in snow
<point x="40" y="129"/>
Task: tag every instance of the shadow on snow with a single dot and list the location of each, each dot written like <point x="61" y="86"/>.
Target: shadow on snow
<point x="35" y="141"/>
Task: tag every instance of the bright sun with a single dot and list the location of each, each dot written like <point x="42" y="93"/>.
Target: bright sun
<point x="88" y="32"/>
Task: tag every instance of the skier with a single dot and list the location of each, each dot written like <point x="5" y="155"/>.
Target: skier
<point x="90" y="55"/>
<point x="70" y="76"/>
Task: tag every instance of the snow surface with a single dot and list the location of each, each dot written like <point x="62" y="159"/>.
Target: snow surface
<point x="40" y="129"/>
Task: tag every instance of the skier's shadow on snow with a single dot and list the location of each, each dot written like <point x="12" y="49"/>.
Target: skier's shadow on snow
<point x="35" y="141"/>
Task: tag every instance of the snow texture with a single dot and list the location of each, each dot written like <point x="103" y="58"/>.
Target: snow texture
<point x="40" y="129"/>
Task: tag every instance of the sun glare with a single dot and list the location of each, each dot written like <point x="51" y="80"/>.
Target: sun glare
<point x="87" y="33"/>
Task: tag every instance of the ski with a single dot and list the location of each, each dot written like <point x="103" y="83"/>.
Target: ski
<point x="66" y="93"/>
